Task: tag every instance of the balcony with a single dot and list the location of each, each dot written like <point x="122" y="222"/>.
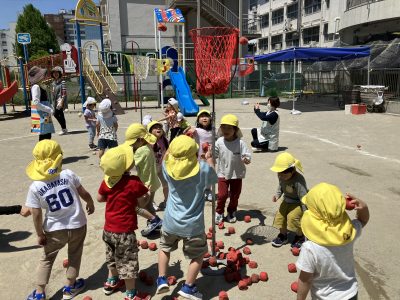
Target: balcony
<point x="218" y="14"/>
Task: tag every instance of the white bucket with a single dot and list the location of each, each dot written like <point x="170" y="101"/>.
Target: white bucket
<point x="347" y="109"/>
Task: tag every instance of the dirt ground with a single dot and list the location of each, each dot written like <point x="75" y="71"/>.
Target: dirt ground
<point x="359" y="153"/>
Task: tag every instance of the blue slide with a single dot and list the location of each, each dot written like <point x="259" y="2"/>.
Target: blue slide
<point x="183" y="93"/>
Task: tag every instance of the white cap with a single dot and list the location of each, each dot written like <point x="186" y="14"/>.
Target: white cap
<point x="179" y="116"/>
<point x="146" y="120"/>
<point x="174" y="103"/>
<point x="89" y="100"/>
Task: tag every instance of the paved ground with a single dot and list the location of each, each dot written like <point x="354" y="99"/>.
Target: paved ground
<point x="324" y="139"/>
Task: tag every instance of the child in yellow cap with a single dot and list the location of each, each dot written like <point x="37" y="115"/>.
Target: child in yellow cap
<point x="122" y="193"/>
<point x="140" y="141"/>
<point x="58" y="192"/>
<point x="292" y="187"/>
<point x="326" y="259"/>
<point x="184" y="215"/>
<point x="232" y="156"/>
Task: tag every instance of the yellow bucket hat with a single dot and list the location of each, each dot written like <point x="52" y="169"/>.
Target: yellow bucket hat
<point x="285" y="161"/>
<point x="136" y="131"/>
<point x="181" y="160"/>
<point x="204" y="111"/>
<point x="325" y="221"/>
<point x="48" y="161"/>
<point x="115" y="162"/>
<point x="232" y="120"/>
<point x="151" y="124"/>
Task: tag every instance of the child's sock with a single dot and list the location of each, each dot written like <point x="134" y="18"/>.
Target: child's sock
<point x="131" y="293"/>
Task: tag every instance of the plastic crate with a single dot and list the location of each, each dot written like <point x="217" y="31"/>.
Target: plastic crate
<point x="358" y="109"/>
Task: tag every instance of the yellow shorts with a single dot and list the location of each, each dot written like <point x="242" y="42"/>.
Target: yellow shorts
<point x="289" y="216"/>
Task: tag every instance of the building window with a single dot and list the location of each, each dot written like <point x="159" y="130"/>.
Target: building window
<point x="292" y="11"/>
<point x="3" y="35"/>
<point x="263" y="44"/>
<point x="292" y="39"/>
<point x="312" y="6"/>
<point x="311" y="34"/>
<point x="276" y="42"/>
<point x="265" y="21"/>
<point x="354" y="3"/>
<point x="3" y="43"/>
<point x="277" y="16"/>
<point x="5" y="50"/>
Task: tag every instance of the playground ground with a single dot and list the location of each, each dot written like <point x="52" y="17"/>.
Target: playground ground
<point x="359" y="153"/>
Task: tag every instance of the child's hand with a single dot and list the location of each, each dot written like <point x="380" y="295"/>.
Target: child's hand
<point x="245" y="159"/>
<point x="25" y="211"/>
<point x="358" y="204"/>
<point x="274" y="199"/>
<point x="90" y="208"/>
<point x="41" y="239"/>
<point x="257" y="106"/>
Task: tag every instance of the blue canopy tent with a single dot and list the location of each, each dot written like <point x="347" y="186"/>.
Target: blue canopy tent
<point x="312" y="55"/>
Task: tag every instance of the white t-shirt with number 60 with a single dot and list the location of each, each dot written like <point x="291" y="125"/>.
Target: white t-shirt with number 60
<point x="60" y="198"/>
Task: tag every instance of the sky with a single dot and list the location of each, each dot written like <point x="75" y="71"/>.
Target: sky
<point x="10" y="9"/>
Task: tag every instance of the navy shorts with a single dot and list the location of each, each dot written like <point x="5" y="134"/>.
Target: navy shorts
<point x="104" y="144"/>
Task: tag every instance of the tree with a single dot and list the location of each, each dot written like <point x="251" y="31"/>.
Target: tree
<point x="43" y="37"/>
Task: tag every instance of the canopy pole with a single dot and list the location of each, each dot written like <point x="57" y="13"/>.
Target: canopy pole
<point x="294" y="111"/>
<point x="368" y="66"/>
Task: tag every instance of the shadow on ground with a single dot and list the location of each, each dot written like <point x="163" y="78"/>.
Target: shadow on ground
<point x="7" y="237"/>
<point x="72" y="159"/>
<point x="260" y="234"/>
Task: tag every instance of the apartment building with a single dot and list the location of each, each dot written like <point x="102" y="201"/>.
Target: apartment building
<point x="321" y="23"/>
<point x="7" y="43"/>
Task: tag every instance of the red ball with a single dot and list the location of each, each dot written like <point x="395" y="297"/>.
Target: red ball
<point x="207" y="255"/>
<point x="231" y="230"/>
<point x="205" y="146"/>
<point x="209" y="88"/>
<point x="255" y="278"/>
<point x="294" y="286"/>
<point x="221" y="255"/>
<point x="246" y="250"/>
<point x="144" y="244"/>
<point x="171" y="280"/>
<point x="263" y="276"/>
<point x="349" y="205"/>
<point x="221" y="225"/>
<point x="213" y="261"/>
<point x="87" y="298"/>
<point x="243" y="40"/>
<point x="162" y="27"/>
<point x="247" y="219"/>
<point x="65" y="263"/>
<point x="209" y="235"/>
<point x="249" y="241"/>
<point x="242" y="285"/>
<point x="220" y="244"/>
<point x="222" y="295"/>
<point x="253" y="264"/>
<point x="295" y="251"/>
<point x="211" y="229"/>
<point x="153" y="246"/>
<point x="292" y="268"/>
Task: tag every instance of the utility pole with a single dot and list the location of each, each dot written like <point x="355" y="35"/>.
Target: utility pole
<point x="198" y="13"/>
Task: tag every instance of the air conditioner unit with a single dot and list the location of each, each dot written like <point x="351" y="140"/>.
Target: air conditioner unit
<point x="277" y="46"/>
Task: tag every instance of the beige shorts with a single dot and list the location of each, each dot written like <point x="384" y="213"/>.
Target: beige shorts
<point x="289" y="216"/>
<point x="193" y="247"/>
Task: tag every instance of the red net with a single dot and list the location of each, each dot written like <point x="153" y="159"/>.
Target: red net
<point x="214" y="48"/>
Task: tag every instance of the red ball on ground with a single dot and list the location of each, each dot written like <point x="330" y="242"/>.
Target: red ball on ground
<point x="255" y="278"/>
<point x="220" y="244"/>
<point x="292" y="268"/>
<point x="247" y="219"/>
<point x="263" y="276"/>
<point x="153" y="246"/>
<point x="246" y="250"/>
<point x="231" y="230"/>
<point x="222" y="295"/>
<point x="249" y="241"/>
<point x="221" y="255"/>
<point x="213" y="261"/>
<point x="144" y="244"/>
<point x="295" y="251"/>
<point x="294" y="286"/>
<point x="242" y="285"/>
<point x="87" y="298"/>
<point x="65" y="263"/>
<point x="243" y="40"/>
<point x="209" y="235"/>
<point x="207" y="255"/>
<point x="221" y="225"/>
<point x="171" y="280"/>
<point x="253" y="264"/>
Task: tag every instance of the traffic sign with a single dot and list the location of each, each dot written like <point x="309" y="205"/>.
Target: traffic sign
<point x="24" y="38"/>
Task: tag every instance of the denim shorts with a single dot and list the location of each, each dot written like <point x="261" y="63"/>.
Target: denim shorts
<point x="104" y="144"/>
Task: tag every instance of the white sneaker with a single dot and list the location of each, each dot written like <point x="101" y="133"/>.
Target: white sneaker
<point x="63" y="132"/>
<point x="155" y="206"/>
<point x="219" y="218"/>
<point x="231" y="218"/>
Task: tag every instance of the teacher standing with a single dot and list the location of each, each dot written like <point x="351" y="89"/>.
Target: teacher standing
<point x="59" y="94"/>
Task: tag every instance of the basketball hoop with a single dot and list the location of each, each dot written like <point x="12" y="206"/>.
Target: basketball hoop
<point x="214" y="48"/>
<point x="245" y="66"/>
